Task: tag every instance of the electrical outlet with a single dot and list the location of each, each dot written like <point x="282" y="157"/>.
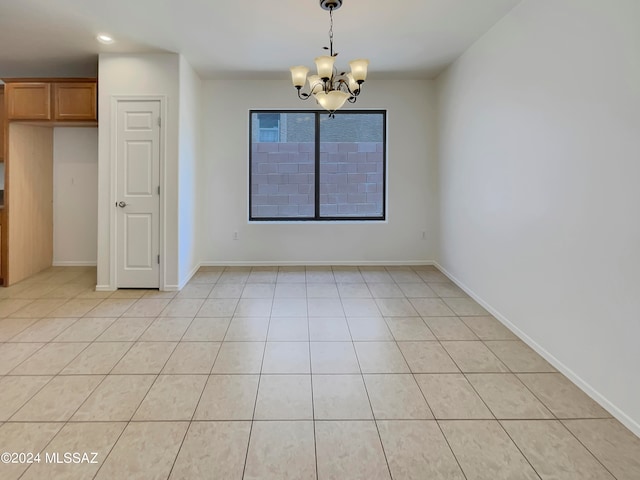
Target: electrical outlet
<point x="235" y="235"/>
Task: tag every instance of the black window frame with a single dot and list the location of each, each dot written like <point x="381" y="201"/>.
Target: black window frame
<point x="317" y="217"/>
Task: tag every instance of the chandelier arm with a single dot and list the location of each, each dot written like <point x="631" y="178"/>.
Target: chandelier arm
<point x="303" y="95"/>
<point x="353" y="93"/>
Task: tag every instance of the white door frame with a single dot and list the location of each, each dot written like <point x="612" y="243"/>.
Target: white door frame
<point x="113" y="145"/>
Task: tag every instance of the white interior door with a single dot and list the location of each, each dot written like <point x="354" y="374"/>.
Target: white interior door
<point x="138" y="194"/>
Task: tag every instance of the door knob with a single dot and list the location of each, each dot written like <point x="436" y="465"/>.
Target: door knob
<point x="122" y="204"/>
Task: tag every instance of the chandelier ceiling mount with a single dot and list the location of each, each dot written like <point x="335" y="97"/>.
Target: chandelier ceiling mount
<point x="330" y="4"/>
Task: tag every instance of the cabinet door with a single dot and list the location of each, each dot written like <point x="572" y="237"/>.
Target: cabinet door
<point x="75" y="101"/>
<point x="28" y="101"/>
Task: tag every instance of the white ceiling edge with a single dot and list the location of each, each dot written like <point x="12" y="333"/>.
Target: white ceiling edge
<point x="405" y="39"/>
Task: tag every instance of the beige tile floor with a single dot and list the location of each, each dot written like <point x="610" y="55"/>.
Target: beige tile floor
<point x="265" y="373"/>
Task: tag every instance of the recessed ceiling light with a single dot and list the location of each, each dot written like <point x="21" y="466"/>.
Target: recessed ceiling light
<point x="106" y="39"/>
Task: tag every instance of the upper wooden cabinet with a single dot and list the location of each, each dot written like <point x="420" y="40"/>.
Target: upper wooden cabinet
<point x="28" y="101"/>
<point x="75" y="101"/>
<point x="52" y="100"/>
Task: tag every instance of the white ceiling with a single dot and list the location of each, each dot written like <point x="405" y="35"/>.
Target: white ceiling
<point x="241" y="38"/>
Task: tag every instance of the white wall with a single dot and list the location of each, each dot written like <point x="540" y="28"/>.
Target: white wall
<point x="75" y="195"/>
<point x="140" y="75"/>
<point x="189" y="151"/>
<point x="411" y="207"/>
<point x="539" y="127"/>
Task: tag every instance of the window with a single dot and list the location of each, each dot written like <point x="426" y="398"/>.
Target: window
<point x="316" y="167"/>
<point x="268" y="127"/>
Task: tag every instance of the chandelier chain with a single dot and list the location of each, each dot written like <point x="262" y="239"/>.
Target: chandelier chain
<point x="331" y="31"/>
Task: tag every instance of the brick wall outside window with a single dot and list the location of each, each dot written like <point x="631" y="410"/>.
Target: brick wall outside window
<point x="283" y="179"/>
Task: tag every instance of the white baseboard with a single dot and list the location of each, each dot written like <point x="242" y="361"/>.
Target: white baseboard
<point x="605" y="403"/>
<point x="185" y="280"/>
<point x="67" y="263"/>
<point x="315" y="263"/>
<point x="105" y="288"/>
<point x="167" y="288"/>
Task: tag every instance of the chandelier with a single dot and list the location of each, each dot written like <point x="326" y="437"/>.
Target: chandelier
<point x="330" y="88"/>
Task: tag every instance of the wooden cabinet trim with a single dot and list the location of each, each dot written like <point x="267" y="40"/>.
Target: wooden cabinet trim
<point x="50" y="80"/>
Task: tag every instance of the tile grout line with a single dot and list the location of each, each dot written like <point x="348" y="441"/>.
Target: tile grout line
<point x="450" y="448"/>
<point x="151" y="385"/>
<point x="112" y="447"/>
<point x="499" y="422"/>
<point x="587" y="448"/>
<point x="67" y="421"/>
<point x="425" y="399"/>
<point x="195" y="408"/>
<point x="407" y="419"/>
<point x="53" y="377"/>
<point x="61" y="374"/>
<point x="366" y="390"/>
<point x="255" y="402"/>
<point x="559" y="420"/>
<point x="313" y="409"/>
<point x="128" y="422"/>
<point x="519" y="449"/>
<point x="8" y="339"/>
<point x="481" y="399"/>
<point x="413" y="375"/>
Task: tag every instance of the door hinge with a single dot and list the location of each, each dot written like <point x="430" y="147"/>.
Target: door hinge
<point x="159" y="121"/>
<point x="158" y="189"/>
<point x="158" y="259"/>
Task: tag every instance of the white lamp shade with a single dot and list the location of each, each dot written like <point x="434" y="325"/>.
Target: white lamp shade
<point x="359" y="69"/>
<point x="299" y="75"/>
<point x="331" y="101"/>
<point x="325" y="66"/>
<point x="315" y="84"/>
<point x="353" y="85"/>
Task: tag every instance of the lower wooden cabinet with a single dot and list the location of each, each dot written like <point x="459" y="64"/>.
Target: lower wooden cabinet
<point x="2" y="123"/>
